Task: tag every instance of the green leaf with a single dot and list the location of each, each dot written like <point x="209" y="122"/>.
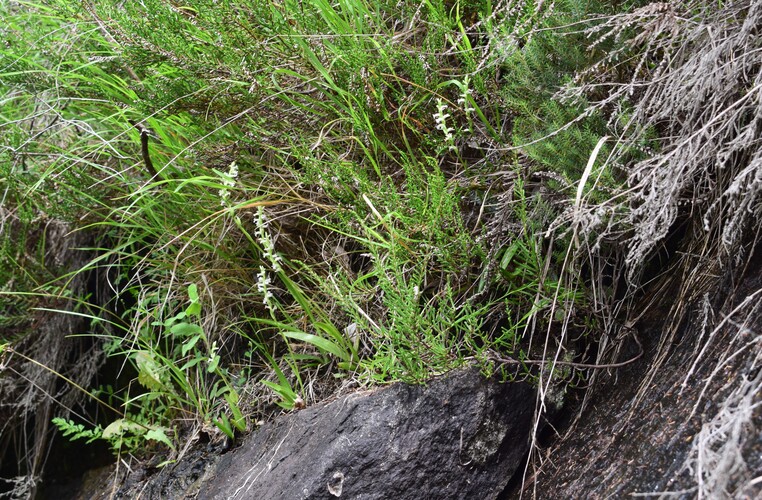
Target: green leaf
<point x="77" y="431"/>
<point x="193" y="362"/>
<point x="194" y="309"/>
<point x="120" y="427"/>
<point x="238" y="419"/>
<point x="330" y="330"/>
<point x="159" y="435"/>
<point x="189" y="344"/>
<point x="96" y="433"/>
<point x="285" y="392"/>
<point x="232" y="397"/>
<point x="223" y="424"/>
<point x="67" y="427"/>
<point x="213" y="364"/>
<point x="298" y="295"/>
<point x="321" y="343"/>
<point x="186" y="329"/>
<point x="193" y="292"/>
<point x="149" y="371"/>
<point x="508" y="255"/>
<point x="219" y="389"/>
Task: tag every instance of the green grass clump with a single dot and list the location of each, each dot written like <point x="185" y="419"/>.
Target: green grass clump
<point x="316" y="206"/>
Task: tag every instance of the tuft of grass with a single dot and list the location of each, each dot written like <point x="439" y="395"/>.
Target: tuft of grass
<point x="293" y="196"/>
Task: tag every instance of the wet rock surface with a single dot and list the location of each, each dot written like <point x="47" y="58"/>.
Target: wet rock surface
<point x="688" y="429"/>
<point x="460" y="436"/>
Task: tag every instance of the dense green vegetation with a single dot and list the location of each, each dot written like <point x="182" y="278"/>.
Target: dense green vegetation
<point x="292" y="198"/>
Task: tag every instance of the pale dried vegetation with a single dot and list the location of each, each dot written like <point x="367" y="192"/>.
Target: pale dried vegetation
<point x="697" y="85"/>
<point x="32" y="385"/>
<point x="718" y="457"/>
<point x="703" y="97"/>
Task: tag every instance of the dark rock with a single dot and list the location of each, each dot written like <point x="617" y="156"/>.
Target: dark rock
<point x="461" y="436"/>
<point x="688" y="429"/>
<point x="185" y="479"/>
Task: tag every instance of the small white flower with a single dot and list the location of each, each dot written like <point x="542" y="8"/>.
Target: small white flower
<point x="424" y="62"/>
<point x="212" y="352"/>
<point x="233" y="173"/>
<point x="229" y="182"/>
<point x="263" y="280"/>
<point x="264" y="238"/>
<point x="465" y="93"/>
<point x="440" y="117"/>
<point x="263" y="283"/>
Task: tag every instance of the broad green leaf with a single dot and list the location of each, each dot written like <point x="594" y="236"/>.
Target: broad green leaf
<point x="189" y="344"/>
<point x="213" y="364"/>
<point x="223" y="424"/>
<point x="149" y="371"/>
<point x="121" y="426"/>
<point x="186" y="329"/>
<point x="194" y="309"/>
<point x="159" y="435"/>
<point x="508" y="255"/>
<point x="238" y="419"/>
<point x="283" y="391"/>
<point x="321" y="343"/>
<point x="193" y="292"/>
<point x="193" y="362"/>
